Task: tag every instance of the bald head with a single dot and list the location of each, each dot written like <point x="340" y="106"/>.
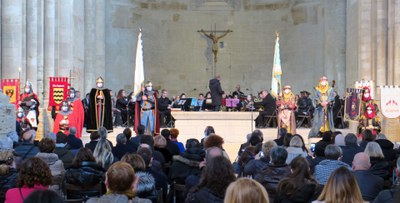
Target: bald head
<point x="213" y="152"/>
<point x="361" y="161"/>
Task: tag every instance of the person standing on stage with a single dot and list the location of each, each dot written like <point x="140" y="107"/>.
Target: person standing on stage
<point x="77" y="110"/>
<point x="147" y="114"/>
<point x="216" y="92"/>
<point x="268" y="104"/>
<point x="164" y="108"/>
<point x="286" y="105"/>
<point x="30" y="104"/>
<point x="100" y="108"/>
<point x="323" y="116"/>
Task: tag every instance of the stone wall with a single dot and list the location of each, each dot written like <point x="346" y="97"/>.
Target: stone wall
<point x="7" y="116"/>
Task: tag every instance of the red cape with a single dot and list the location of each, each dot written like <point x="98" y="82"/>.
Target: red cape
<point x="79" y="116"/>
<point x="71" y="119"/>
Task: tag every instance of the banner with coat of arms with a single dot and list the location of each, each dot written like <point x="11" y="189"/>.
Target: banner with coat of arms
<point x="390" y="101"/>
<point x="366" y="83"/>
<point x="10" y="88"/>
<point x="58" y="91"/>
<point x="352" y="104"/>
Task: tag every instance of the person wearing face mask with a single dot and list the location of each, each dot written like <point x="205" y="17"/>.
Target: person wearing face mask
<point x="323" y="116"/>
<point x="146" y="110"/>
<point x="286" y="105"/>
<point x="64" y="119"/>
<point x="370" y="120"/>
<point x="22" y="122"/>
<point x="100" y="108"/>
<point x="367" y="100"/>
<point x="77" y="110"/>
<point x="30" y="104"/>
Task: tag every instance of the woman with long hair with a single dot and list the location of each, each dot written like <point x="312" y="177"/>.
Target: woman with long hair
<point x="300" y="186"/>
<point x="246" y="190"/>
<point x="341" y="187"/>
<point x="103" y="154"/>
<point x="379" y="165"/>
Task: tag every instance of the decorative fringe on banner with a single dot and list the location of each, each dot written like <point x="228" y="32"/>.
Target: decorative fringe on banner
<point x="58" y="91"/>
<point x="10" y="88"/>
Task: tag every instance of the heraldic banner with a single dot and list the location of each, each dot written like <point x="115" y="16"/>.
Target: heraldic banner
<point x="390" y="101"/>
<point x="10" y="88"/>
<point x="352" y="104"/>
<point x="58" y="91"/>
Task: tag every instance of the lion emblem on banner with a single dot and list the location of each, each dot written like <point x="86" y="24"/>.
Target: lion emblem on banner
<point x="10" y="92"/>
<point x="390" y="101"/>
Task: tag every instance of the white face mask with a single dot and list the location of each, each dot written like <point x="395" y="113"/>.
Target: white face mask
<point x="366" y="95"/>
<point x="64" y="108"/>
<point x="323" y="83"/>
<point x="20" y="115"/>
<point x="27" y="90"/>
<point x="72" y="95"/>
<point x="369" y="111"/>
<point x="287" y="91"/>
<point x="99" y="85"/>
<point x="149" y="88"/>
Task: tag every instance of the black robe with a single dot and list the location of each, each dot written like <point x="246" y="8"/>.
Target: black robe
<point x="91" y="120"/>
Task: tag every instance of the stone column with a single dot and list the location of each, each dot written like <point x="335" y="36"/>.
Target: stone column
<point x="100" y="39"/>
<point x="381" y="40"/>
<point x="79" y="45"/>
<point x="11" y="37"/>
<point x="40" y="50"/>
<point x="65" y="34"/>
<point x="365" y="40"/>
<point x="90" y="44"/>
<point x="32" y="42"/>
<point x="49" y="43"/>
<point x="395" y="43"/>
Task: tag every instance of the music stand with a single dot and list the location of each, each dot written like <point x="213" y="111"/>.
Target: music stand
<point x="185" y="104"/>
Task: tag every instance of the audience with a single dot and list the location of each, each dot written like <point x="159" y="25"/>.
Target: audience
<point x="140" y="132"/>
<point x="94" y="139"/>
<point x="174" y="139"/>
<point x="274" y="172"/>
<point x="26" y="148"/>
<point x="245" y="190"/>
<point x="323" y="170"/>
<point x="389" y="195"/>
<point x="300" y="186"/>
<point x="247" y="155"/>
<point x="350" y="149"/>
<point x="74" y="142"/>
<point x="209" y="130"/>
<point x="121" y="184"/>
<point x="379" y="166"/>
<point x="282" y="134"/>
<point x="387" y="147"/>
<point x="44" y="196"/>
<point x="121" y="148"/>
<point x="367" y="136"/>
<point x="103" y="154"/>
<point x="34" y="174"/>
<point x="157" y="156"/>
<point x="260" y="161"/>
<point x="319" y="155"/>
<point x="216" y="177"/>
<point x="160" y="144"/>
<point x="215" y="141"/>
<point x="171" y="147"/>
<point x="62" y="150"/>
<point x="370" y="184"/>
<point x="103" y="132"/>
<point x="295" y="148"/>
<point x="341" y="187"/>
<point x="8" y="173"/>
<point x="131" y="145"/>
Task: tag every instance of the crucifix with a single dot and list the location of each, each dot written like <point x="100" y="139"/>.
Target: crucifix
<point x="213" y="36"/>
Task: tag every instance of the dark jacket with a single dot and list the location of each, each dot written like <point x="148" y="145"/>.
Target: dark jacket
<point x="91" y="145"/>
<point x="120" y="150"/>
<point x="172" y="148"/>
<point x="387" y="149"/>
<point x="163" y="103"/>
<point x="380" y="167"/>
<point x="146" y="187"/>
<point x="166" y="154"/>
<point x="184" y="165"/>
<point x="268" y="103"/>
<point x="307" y="193"/>
<point x="74" y="143"/>
<point x="7" y="181"/>
<point x="216" y="92"/>
<point x="370" y="184"/>
<point x="270" y="176"/>
<point x="161" y="181"/>
<point x="26" y="150"/>
<point x="314" y="161"/>
<point x="65" y="155"/>
<point x="254" y="166"/>
<point x="349" y="152"/>
<point x="136" y="139"/>
<point x="86" y="174"/>
<point x="386" y="196"/>
<point x="132" y="146"/>
<point x="204" y="195"/>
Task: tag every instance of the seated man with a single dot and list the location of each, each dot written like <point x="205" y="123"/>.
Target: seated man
<point x="164" y="108"/>
<point x="268" y="104"/>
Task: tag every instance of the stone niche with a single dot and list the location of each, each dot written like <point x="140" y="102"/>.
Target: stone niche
<point x="7" y="116"/>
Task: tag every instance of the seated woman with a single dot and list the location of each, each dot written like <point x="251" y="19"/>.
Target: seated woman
<point x="379" y="165"/>
<point x="207" y="103"/>
<point x="8" y="174"/>
<point x="245" y="190"/>
<point x="103" y="154"/>
<point x="34" y="174"/>
<point x="248" y="104"/>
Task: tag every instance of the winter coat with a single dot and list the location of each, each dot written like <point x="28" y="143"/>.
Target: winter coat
<point x="56" y="166"/>
<point x="204" y="195"/>
<point x="65" y="155"/>
<point x="86" y="174"/>
<point x="7" y="181"/>
<point x="270" y="176"/>
<point x="116" y="198"/>
<point x="184" y="165"/>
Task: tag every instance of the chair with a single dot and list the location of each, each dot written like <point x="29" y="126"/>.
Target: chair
<point x="178" y="190"/>
<point x="340" y="116"/>
<point x="303" y="117"/>
<point x="77" y="193"/>
<point x="271" y="118"/>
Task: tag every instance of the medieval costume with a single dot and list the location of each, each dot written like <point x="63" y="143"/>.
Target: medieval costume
<point x="370" y="121"/>
<point x="367" y="100"/>
<point x="146" y="112"/>
<point x="286" y="106"/>
<point x="78" y="111"/>
<point x="323" y="116"/>
<point x="22" y="121"/>
<point x="65" y="119"/>
<point x="30" y="104"/>
<point x="100" y="108"/>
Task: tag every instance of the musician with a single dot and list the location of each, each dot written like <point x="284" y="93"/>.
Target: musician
<point x="122" y="104"/>
<point x="100" y="108"/>
<point x="238" y="93"/>
<point x="30" y="104"/>
<point x="207" y="103"/>
<point x="77" y="110"/>
<point x="146" y="109"/>
<point x="248" y="104"/>
<point x="370" y="120"/>
<point x="164" y="108"/>
<point x="323" y="101"/>
<point x="268" y="107"/>
<point x="200" y="101"/>
<point x="286" y="105"/>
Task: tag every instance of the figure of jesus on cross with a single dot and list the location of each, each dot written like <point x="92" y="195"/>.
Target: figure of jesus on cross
<point x="215" y="39"/>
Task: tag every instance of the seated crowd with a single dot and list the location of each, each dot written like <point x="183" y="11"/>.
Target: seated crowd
<point x="146" y="168"/>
